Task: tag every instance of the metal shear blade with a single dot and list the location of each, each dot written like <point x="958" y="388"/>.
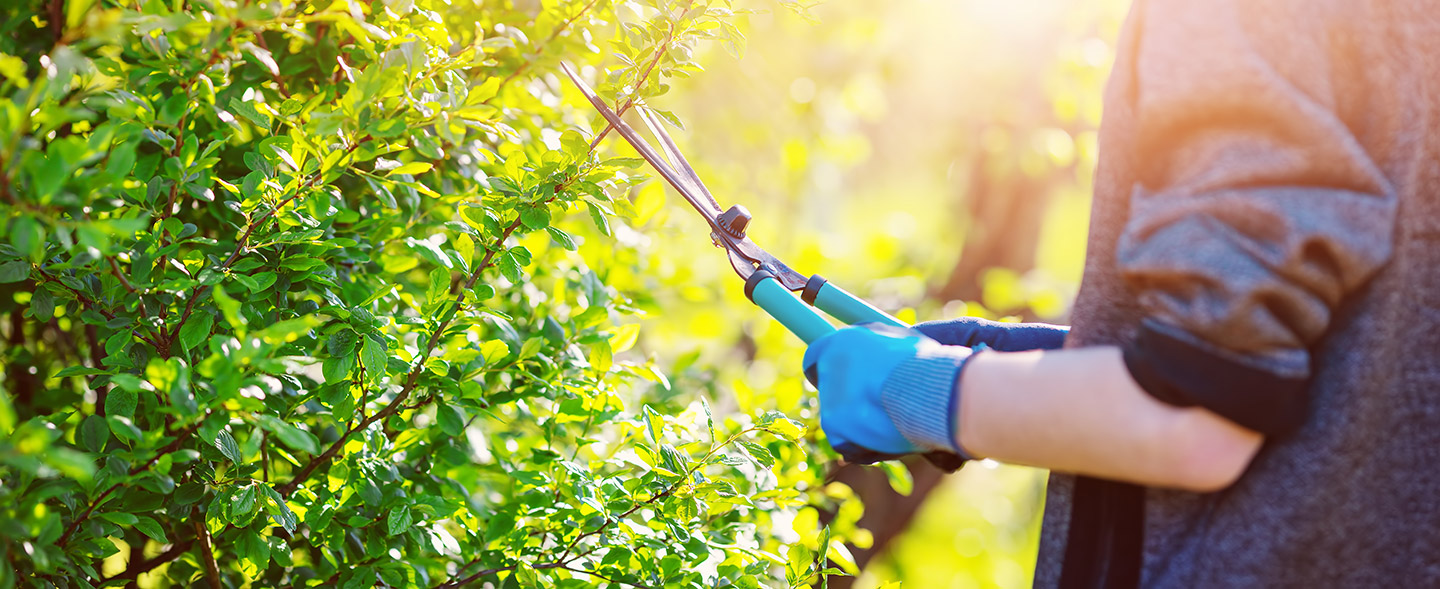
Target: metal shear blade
<point x="745" y="256"/>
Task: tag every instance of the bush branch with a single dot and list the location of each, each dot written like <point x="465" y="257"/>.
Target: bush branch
<point x="207" y="552"/>
<point x="137" y="568"/>
<point x="88" y="302"/>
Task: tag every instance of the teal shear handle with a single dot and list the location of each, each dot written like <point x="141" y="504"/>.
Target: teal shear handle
<point x="843" y="305"/>
<point x="765" y="291"/>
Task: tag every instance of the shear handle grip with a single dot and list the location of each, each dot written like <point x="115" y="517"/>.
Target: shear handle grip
<point x="767" y="293"/>
<point x="844" y="306"/>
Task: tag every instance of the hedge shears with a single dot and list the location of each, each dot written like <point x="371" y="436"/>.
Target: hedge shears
<point x="768" y="281"/>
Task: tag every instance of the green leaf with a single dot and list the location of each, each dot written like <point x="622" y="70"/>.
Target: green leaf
<point x="124" y="519"/>
<point x="254" y="551"/>
<point x="652" y="425"/>
<point x="526" y="575"/>
<point x="194" y="332"/>
<point x="675" y="461"/>
<point x="562" y="238"/>
<point x="602" y="358"/>
<point x="410" y="168"/>
<point x="398" y="520"/>
<point x="279" y="511"/>
<point x="121" y="401"/>
<point x="290" y="435"/>
<point x="230" y="308"/>
<point x="483" y="292"/>
<point x="510" y="266"/>
<point x="485" y="91"/>
<point x="122" y="160"/>
<point x="301" y="263"/>
<point x="625" y="162"/>
<point x="342" y="343"/>
<point x="227" y="446"/>
<point x="94" y="432"/>
<point x="531" y="347"/>
<point x="899" y="476"/>
<point x="598" y="217"/>
<point x="124" y="428"/>
<point x="494" y="351"/>
<point x="709" y="419"/>
<point x="373" y="357"/>
<point x="759" y="453"/>
<point x="336" y="370"/>
<point x="786" y="428"/>
<point x="248" y="110"/>
<point x="70" y="371"/>
<point x="28" y="237"/>
<point x="439" y="285"/>
<point x="14" y="271"/>
<point x="148" y="526"/>
<point x="839" y="554"/>
<point x="42" y="304"/>
<point x="465" y="246"/>
<point x="536" y="216"/>
<point x="451" y="418"/>
<point x="243" y="506"/>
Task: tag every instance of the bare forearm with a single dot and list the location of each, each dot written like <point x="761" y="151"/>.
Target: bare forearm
<point x="1079" y="411"/>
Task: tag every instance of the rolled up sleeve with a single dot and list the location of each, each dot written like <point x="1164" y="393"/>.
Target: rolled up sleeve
<point x="1255" y="212"/>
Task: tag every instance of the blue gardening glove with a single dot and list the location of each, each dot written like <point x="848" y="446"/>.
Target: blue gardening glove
<point x="886" y="392"/>
<point x="1005" y="337"/>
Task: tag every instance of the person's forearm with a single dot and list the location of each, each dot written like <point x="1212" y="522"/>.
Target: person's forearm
<point x="1079" y="411"/>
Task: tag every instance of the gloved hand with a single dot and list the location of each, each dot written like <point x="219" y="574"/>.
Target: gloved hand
<point x="886" y="392"/>
<point x="1005" y="337"/>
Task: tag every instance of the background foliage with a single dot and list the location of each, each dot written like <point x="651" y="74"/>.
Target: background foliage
<point x="876" y="144"/>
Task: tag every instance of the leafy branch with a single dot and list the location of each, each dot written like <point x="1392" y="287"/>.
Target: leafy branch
<point x="566" y="559"/>
<point x="240" y="243"/>
<point x="180" y="438"/>
<point x="93" y="305"/>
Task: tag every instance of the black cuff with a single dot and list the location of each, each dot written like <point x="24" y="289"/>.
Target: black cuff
<point x="1180" y="373"/>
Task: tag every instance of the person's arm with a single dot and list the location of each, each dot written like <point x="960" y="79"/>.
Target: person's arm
<point x="1079" y="411"/>
<point x="1251" y="210"/>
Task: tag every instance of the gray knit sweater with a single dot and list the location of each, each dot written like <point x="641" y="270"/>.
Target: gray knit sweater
<point x="1268" y="198"/>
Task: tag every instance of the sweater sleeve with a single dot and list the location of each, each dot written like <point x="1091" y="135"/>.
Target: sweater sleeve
<point x="1255" y="209"/>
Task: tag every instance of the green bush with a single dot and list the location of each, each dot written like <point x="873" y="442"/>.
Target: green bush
<point x="337" y="293"/>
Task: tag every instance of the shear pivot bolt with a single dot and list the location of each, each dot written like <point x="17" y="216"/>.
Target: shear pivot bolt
<point x="734" y="221"/>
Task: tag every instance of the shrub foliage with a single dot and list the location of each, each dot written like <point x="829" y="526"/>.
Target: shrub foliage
<point x="326" y="293"/>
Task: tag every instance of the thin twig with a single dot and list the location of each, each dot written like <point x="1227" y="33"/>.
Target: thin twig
<point x="541" y="49"/>
<point x="174" y="151"/>
<point x="115" y="269"/>
<point x="279" y="82"/>
<point x="604" y="578"/>
<point x="207" y="551"/>
<point x="135" y="569"/>
<point x="91" y="303"/>
<point x="644" y="77"/>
